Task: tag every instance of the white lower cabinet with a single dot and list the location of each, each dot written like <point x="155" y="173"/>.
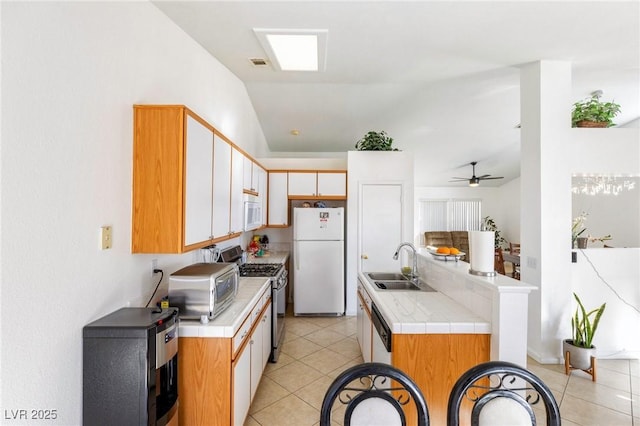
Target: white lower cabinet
<point x="363" y="318"/>
<point x="250" y="363"/>
<point x="241" y="386"/>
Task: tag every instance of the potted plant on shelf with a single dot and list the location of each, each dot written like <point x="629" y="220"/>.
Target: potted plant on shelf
<point x="375" y="141"/>
<point x="578" y="351"/>
<point x="592" y="112"/>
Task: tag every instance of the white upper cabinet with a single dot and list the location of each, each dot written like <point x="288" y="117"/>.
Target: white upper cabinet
<point x="199" y="182"/>
<point x="221" y="188"/>
<point x="237" y="181"/>
<point x="278" y="212"/>
<point x="318" y="184"/>
<point x="302" y="184"/>
<point x="332" y="184"/>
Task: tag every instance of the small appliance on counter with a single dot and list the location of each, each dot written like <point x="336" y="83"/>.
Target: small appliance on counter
<point x="203" y="289"/>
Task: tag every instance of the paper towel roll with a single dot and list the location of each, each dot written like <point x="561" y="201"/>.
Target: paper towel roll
<point x="481" y="248"/>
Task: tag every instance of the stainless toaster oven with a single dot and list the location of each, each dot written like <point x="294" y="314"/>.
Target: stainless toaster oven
<point x="203" y="289"/>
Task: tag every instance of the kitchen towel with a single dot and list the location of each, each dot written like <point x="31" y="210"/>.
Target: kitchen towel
<point x="481" y="248"/>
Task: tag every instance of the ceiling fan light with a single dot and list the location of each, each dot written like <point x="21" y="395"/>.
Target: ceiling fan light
<point x="474" y="182"/>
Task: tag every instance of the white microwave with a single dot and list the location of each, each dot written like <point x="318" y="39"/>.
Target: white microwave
<point x="252" y="215"/>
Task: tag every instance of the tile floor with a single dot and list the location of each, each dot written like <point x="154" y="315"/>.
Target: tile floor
<point x="316" y="350"/>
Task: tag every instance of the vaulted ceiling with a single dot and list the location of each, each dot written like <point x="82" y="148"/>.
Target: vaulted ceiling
<point x="440" y="77"/>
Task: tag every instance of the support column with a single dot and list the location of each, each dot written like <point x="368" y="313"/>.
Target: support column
<point x="545" y="215"/>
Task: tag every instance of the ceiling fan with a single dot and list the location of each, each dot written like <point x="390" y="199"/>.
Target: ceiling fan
<point x="475" y="180"/>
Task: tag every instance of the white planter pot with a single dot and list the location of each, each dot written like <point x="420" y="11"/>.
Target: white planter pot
<point x="578" y="357"/>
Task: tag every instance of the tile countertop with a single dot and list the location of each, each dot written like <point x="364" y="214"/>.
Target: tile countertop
<point x="422" y="312"/>
<point x="270" y="257"/>
<point x="230" y="320"/>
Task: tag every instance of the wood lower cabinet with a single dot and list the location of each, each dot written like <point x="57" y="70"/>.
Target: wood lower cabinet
<point x="216" y="385"/>
<point x="435" y="362"/>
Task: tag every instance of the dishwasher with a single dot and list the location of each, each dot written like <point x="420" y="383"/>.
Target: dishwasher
<point x="381" y="342"/>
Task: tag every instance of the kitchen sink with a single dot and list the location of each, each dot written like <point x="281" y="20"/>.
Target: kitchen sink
<point x="402" y="285"/>
<point x="386" y="276"/>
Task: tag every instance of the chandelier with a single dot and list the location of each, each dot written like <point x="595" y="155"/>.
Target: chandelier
<point x="602" y="184"/>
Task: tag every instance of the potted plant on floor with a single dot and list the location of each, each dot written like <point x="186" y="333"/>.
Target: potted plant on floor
<point x="579" y="350"/>
<point x="592" y="112"/>
<point x="375" y="141"/>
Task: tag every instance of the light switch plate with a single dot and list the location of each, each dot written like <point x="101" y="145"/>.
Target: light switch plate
<point x="106" y="237"/>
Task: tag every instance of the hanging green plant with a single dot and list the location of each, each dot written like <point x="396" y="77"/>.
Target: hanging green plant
<point x="375" y="141"/>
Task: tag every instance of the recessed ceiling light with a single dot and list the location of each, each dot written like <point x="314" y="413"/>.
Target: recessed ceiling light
<point x="295" y="132"/>
<point x="294" y="50"/>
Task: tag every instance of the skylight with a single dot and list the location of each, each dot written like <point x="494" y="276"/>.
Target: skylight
<point x="294" y="50"/>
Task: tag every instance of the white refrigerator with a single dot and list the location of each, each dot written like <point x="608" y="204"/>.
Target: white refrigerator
<point x="318" y="261"/>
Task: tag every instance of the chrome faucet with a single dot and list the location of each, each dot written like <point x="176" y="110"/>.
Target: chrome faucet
<point x="414" y="271"/>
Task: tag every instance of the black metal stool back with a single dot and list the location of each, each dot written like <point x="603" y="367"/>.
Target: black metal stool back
<point x="368" y="385"/>
<point x="502" y="393"/>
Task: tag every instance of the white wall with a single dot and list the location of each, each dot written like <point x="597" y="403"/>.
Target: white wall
<point x="71" y="72"/>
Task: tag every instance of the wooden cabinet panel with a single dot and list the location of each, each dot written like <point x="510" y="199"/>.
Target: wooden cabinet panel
<point x="435" y="362"/>
<point x="204" y="367"/>
<point x="160" y="179"/>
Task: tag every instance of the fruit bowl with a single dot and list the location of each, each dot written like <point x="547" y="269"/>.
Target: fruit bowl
<point x="445" y="256"/>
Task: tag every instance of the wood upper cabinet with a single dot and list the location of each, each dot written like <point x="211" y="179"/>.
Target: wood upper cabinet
<point x="318" y="184"/>
<point x="172" y="180"/>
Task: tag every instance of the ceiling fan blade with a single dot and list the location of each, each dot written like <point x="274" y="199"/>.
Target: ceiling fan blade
<point x="459" y="180"/>
<point x="489" y="178"/>
<point x="483" y="176"/>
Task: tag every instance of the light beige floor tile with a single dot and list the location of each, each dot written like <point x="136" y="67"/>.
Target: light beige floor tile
<point x="324" y="337"/>
<point x="268" y="392"/>
<point x="554" y="378"/>
<point x="289" y="411"/>
<point x="325" y="322"/>
<point x="619" y="365"/>
<point x="348" y="347"/>
<point x="325" y="360"/>
<point x="300" y="327"/>
<point x="313" y="393"/>
<point x="587" y="413"/>
<point x="295" y="376"/>
<point x="250" y="421"/>
<point x="300" y="348"/>
<point x="353" y="362"/>
<point x="346" y="327"/>
<point x="605" y="396"/>
<point x="283" y="360"/>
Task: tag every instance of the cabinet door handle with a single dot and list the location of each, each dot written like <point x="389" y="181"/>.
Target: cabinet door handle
<point x="364" y="256"/>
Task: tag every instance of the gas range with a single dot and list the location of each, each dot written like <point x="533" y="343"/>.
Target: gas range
<point x="260" y="269"/>
<point x="277" y="274"/>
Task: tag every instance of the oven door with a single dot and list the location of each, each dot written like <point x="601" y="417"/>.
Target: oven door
<point x="279" y="299"/>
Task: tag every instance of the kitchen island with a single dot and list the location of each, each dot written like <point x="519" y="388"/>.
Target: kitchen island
<point x="437" y="336"/>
